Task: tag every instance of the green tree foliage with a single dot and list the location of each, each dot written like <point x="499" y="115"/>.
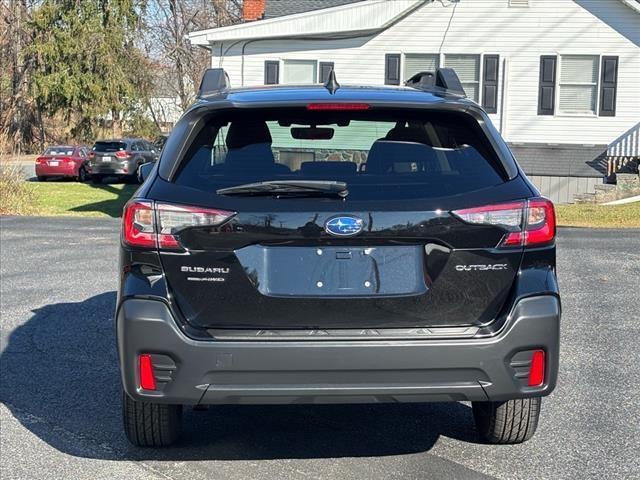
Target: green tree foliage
<point x="88" y="68"/>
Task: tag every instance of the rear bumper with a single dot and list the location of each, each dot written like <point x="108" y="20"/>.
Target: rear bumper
<point x="123" y="168"/>
<point x="62" y="170"/>
<point x="233" y="372"/>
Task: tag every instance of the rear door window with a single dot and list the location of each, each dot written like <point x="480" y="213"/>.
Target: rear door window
<point x="109" y="146"/>
<point x="382" y="155"/>
<point x="59" y="151"/>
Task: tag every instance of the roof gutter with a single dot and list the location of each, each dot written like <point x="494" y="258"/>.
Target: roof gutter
<point x="328" y="35"/>
<point x="633" y="4"/>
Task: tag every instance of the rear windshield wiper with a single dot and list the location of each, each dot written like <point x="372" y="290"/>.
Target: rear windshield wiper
<point x="293" y="188"/>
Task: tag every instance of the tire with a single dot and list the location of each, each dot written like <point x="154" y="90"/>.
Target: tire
<point x="513" y="421"/>
<point x="96" y="179"/>
<point x="150" y="424"/>
<point x="82" y="175"/>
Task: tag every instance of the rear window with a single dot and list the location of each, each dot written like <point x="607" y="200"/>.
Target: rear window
<point x="59" y="151"/>
<point x="109" y="146"/>
<point x="380" y="155"/>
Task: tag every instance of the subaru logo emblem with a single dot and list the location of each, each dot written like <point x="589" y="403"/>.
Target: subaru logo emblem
<point x="344" y="226"/>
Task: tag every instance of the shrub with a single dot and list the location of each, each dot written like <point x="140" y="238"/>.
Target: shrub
<point x="16" y="195"/>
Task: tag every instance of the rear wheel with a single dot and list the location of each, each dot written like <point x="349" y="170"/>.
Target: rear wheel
<point x="513" y="421"/>
<point x="82" y="174"/>
<point x="150" y="424"/>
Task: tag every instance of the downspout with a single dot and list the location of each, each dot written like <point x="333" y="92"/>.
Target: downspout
<point x="244" y="46"/>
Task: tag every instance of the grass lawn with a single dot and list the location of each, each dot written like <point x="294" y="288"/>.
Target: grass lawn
<point x="70" y="198"/>
<point x="599" y="216"/>
<point x="84" y="199"/>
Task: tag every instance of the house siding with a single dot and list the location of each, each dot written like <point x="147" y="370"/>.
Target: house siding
<point x="563" y="189"/>
<point x="519" y="35"/>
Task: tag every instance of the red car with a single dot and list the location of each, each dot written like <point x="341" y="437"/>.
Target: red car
<point x="63" y="161"/>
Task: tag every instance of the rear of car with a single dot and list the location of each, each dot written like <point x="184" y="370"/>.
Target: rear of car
<point x="367" y="246"/>
<point x="119" y="158"/>
<point x="62" y="161"/>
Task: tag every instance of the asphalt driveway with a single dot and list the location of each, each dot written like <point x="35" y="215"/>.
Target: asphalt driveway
<point x="60" y="409"/>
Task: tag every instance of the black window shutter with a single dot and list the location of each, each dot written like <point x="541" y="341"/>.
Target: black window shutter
<point x="392" y="69"/>
<point x="608" y="86"/>
<point x="271" y="72"/>
<point x="490" y="83"/>
<point x="325" y="70"/>
<point x="547" y="90"/>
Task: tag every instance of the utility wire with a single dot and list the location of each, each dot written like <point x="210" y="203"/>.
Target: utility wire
<point x="453" y="11"/>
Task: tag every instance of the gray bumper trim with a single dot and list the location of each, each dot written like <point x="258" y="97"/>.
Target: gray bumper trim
<point x="342" y="371"/>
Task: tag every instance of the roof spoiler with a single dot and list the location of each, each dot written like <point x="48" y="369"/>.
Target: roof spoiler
<point x="214" y="81"/>
<point x="445" y="78"/>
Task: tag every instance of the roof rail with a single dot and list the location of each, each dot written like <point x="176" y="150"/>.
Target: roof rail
<point x="445" y="78"/>
<point x="213" y="82"/>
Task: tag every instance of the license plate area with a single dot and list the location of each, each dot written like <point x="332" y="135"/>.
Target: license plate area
<point x="335" y="271"/>
<point x="54" y="163"/>
<point x="106" y="159"/>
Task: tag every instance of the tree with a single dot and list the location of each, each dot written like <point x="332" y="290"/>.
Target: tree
<point x="167" y="24"/>
<point x="20" y="121"/>
<point x="87" y="67"/>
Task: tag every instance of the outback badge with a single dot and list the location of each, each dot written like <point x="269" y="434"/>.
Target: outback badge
<point x="344" y="226"/>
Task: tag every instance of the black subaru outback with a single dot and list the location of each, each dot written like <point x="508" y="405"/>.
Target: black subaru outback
<point x="328" y="244"/>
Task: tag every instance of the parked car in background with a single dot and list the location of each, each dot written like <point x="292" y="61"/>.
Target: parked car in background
<point x="63" y="161"/>
<point x="120" y="158"/>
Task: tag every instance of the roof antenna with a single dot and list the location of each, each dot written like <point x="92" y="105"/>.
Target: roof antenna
<point x="332" y="84"/>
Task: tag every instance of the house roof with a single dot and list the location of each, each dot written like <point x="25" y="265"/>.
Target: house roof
<point x="280" y="8"/>
<point x="343" y="21"/>
<point x="326" y="19"/>
<point x="561" y="160"/>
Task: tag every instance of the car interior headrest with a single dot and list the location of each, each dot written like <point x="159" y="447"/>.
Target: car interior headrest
<point x="243" y="133"/>
<point x="412" y="133"/>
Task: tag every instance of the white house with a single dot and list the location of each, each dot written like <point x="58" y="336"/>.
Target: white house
<point x="559" y="78"/>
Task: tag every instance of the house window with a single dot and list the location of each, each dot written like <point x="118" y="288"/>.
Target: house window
<point x="468" y="69"/>
<point x="578" y="84"/>
<point x="419" y="62"/>
<point x="300" y="71"/>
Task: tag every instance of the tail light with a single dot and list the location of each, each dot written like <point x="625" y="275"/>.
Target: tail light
<point x="41" y="159"/>
<point x="527" y="222"/>
<point x="92" y="154"/>
<point x="122" y="154"/>
<point x="149" y="225"/>
<point x="138" y="224"/>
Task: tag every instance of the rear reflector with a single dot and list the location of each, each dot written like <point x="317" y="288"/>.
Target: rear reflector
<point x="528" y="222"/>
<point x="147" y="379"/>
<point x="149" y="225"/>
<point x="338" y="106"/>
<point x="536" y="373"/>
